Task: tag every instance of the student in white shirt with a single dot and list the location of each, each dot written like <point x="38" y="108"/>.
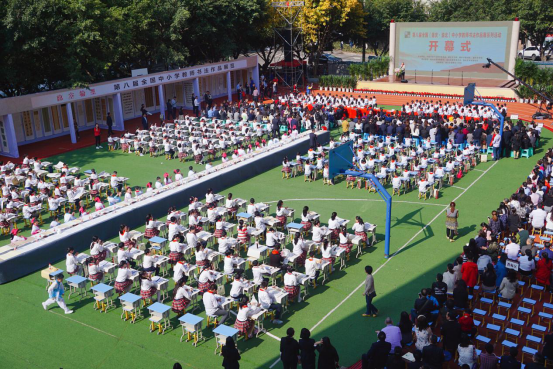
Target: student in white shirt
<point x="237" y="287"/>
<point x="252" y="208"/>
<point x="123" y="281"/>
<point x="213" y="305"/>
<point x="149" y="262"/>
<point x="291" y="285"/>
<point x="318" y="232"/>
<point x="55" y="294"/>
<point x="95" y="273"/>
<point x="359" y="228"/>
<point x="312" y="267"/>
<point x="182" y="296"/>
<point x="268" y="302"/>
<point x="97" y="250"/>
<point x="244" y="324"/>
<point x="147" y="286"/>
<point x="123" y="254"/>
<point x="55" y="222"/>
<point x="71" y="262"/>
<point x="334" y="226"/>
<point x="299" y="249"/>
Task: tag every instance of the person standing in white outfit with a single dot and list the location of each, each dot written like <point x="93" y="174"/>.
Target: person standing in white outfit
<point x="55" y="294"/>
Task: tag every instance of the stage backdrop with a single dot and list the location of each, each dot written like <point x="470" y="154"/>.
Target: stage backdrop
<point x="453" y="47"/>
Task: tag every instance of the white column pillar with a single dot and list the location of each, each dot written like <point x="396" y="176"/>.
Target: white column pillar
<point x="229" y="87"/>
<point x="514" y="47"/>
<point x="196" y="87"/>
<point x="117" y="114"/>
<point x="12" y="150"/>
<point x="162" y="104"/>
<point x="392" y="51"/>
<point x="255" y="73"/>
<point x="70" y="122"/>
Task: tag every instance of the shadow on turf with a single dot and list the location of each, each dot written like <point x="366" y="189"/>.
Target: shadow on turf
<point x="341" y="333"/>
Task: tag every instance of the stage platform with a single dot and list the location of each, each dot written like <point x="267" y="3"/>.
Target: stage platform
<point x="36" y="255"/>
<point x="423" y="85"/>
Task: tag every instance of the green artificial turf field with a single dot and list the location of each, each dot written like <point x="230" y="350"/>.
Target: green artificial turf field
<point x="89" y="339"/>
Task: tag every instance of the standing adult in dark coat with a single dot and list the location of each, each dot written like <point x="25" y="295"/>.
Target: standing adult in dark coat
<point x="289" y="350"/>
<point x="328" y="356"/>
<point x="307" y="349"/>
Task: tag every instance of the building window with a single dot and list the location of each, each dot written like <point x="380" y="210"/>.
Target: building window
<point x="27" y="124"/>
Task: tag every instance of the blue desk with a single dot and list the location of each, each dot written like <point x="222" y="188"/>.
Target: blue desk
<point x="130" y="303"/>
<point x="77" y="284"/>
<point x="159" y="314"/>
<point x="191" y="326"/>
<point x="102" y="295"/>
<point x="222" y="332"/>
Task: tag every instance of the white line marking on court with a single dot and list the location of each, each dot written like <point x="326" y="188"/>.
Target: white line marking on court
<point x="457" y="187"/>
<point x="274" y="363"/>
<point x="83" y="324"/>
<point x="393" y="255"/>
<point x="475" y="169"/>
<point x="361" y="200"/>
<point x="109" y="334"/>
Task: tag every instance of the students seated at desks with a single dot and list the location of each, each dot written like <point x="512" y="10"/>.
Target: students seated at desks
<point x="14" y="238"/>
<point x="206" y="278"/>
<point x="174" y="228"/>
<point x="228" y="264"/>
<point x="326" y="176"/>
<point x="147" y="287"/>
<point x="191" y="173"/>
<point x="35" y="229"/>
<point x="151" y="229"/>
<point x="299" y="249"/>
<point x="125" y="238"/>
<point x="33" y="199"/>
<point x="209" y="196"/>
<point x="243" y="234"/>
<point x="244" y="324"/>
<point x="53" y="204"/>
<point x="439" y="171"/>
<point x="252" y="208"/>
<point x="237" y="287"/>
<point x="291" y="285"/>
<point x="286" y="166"/>
<point x="258" y="273"/>
<point x="282" y="213"/>
<point x="95" y="273"/>
<point x="312" y="267"/>
<point x="359" y="228"/>
<point x="98" y="205"/>
<point x="260" y="223"/>
<point x="148" y="264"/>
<point x="123" y="254"/>
<point x="308" y="173"/>
<point x="224" y="243"/>
<point x="396" y="182"/>
<point x="113" y="199"/>
<point x="334" y="226"/>
<point x="71" y="262"/>
<point x="55" y="222"/>
<point x="318" y="232"/>
<point x="211" y="213"/>
<point x="213" y="305"/>
<point x="115" y="183"/>
<point x="158" y="183"/>
<point x="124" y="278"/>
<point x="195" y="220"/>
<point x="344" y="241"/>
<point x="271" y="240"/>
<point x="230" y="204"/>
<point x="423" y="187"/>
<point x="176" y="248"/>
<point x="97" y="250"/>
<point x="268" y="302"/>
<point x="182" y="295"/>
<point x="306" y="219"/>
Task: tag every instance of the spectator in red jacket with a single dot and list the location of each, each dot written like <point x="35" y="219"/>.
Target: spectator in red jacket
<point x="467" y="323"/>
<point x="469" y="270"/>
<point x="543" y="269"/>
<point x="97" y="135"/>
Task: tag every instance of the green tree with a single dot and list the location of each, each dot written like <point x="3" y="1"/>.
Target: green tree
<point x="536" y="21"/>
<point x="379" y="13"/>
